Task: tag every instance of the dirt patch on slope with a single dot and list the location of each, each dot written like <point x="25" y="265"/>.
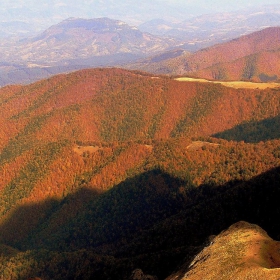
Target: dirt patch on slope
<point x="83" y="149"/>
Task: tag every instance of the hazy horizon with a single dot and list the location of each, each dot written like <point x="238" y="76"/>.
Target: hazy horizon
<point x="41" y="14"/>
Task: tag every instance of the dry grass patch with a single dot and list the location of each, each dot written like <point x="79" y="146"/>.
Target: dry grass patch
<point x="232" y="84"/>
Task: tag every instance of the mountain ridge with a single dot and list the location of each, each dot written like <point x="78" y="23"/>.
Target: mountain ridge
<point x="85" y="38"/>
<point x="76" y="93"/>
<point x="77" y="43"/>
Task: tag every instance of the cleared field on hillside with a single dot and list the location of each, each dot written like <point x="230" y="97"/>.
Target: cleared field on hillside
<point x="233" y="84"/>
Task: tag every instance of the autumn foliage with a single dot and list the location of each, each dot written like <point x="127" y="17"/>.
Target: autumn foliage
<point x="93" y="162"/>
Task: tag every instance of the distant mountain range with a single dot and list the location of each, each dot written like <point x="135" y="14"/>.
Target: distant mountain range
<point x="39" y="16"/>
<point x="200" y="25"/>
<point x="78" y="43"/>
<point x="81" y="39"/>
<point x="74" y="44"/>
<point x="209" y="29"/>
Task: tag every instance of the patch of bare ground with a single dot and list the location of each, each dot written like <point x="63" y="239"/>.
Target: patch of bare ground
<point x="80" y="150"/>
<point x="243" y="252"/>
<point x="196" y="145"/>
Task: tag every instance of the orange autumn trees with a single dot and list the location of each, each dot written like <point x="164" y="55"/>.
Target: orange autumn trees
<point x="97" y="156"/>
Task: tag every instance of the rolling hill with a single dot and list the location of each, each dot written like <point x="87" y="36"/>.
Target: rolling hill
<point x="120" y="105"/>
<point x="250" y="57"/>
<point x="103" y="171"/>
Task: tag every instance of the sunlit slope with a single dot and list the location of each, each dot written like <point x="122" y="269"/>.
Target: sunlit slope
<point x="244" y="251"/>
<point x="117" y="105"/>
<point x="260" y="67"/>
<point x="253" y="57"/>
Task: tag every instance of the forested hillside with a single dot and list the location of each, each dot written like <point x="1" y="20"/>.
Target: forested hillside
<point x="250" y="57"/>
<point x="106" y="170"/>
<point x="118" y="105"/>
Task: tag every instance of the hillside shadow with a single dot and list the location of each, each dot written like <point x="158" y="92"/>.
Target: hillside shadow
<point x="252" y="131"/>
<point x="134" y="204"/>
<point x="29" y="219"/>
<point x="153" y="221"/>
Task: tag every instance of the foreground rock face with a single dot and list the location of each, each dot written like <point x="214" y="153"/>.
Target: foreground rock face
<point x="244" y="251"/>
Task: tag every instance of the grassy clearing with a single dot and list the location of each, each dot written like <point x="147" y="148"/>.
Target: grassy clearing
<point x="233" y="84"/>
<point x="196" y="145"/>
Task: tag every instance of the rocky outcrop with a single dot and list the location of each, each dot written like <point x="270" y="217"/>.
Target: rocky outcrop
<point x="244" y="251"/>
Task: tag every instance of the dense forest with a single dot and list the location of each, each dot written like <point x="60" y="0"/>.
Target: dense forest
<point x="106" y="170"/>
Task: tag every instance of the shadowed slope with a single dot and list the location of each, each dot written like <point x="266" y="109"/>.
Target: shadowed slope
<point x="253" y="131"/>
